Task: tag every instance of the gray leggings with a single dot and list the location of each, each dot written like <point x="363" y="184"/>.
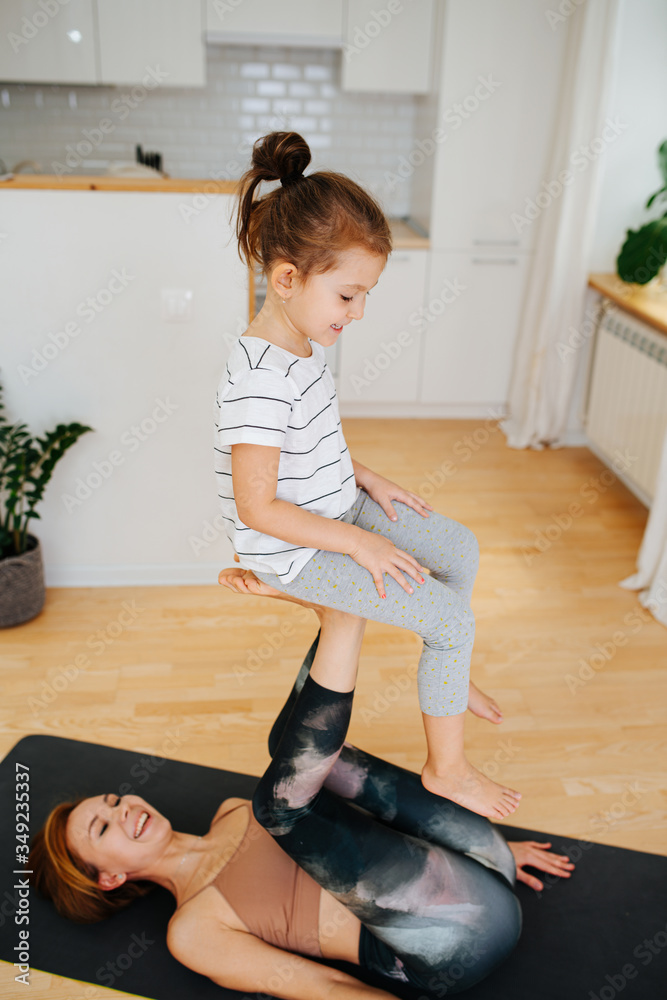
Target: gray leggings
<point x="438" y="610"/>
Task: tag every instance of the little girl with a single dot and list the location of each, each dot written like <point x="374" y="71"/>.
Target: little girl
<point x="302" y="515"/>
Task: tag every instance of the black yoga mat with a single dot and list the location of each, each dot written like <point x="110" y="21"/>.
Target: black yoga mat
<point x="599" y="935"/>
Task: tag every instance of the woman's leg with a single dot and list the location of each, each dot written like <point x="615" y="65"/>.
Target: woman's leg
<point x="428" y="908"/>
<point x="397" y="797"/>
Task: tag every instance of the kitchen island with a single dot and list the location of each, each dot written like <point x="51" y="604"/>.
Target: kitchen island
<point x="123" y="296"/>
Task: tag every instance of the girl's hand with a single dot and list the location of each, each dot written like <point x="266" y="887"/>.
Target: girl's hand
<point x="529" y="852"/>
<point x="378" y="555"/>
<point x="383" y="491"/>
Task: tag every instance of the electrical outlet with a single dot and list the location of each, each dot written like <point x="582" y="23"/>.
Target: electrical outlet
<point x="177" y="305"/>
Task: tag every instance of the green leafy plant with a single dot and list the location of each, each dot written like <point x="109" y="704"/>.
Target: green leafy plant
<point x="26" y="465"/>
<point x="644" y="252"/>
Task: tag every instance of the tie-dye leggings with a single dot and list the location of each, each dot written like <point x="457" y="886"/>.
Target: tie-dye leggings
<point x="430" y="881"/>
<point x="438" y="610"/>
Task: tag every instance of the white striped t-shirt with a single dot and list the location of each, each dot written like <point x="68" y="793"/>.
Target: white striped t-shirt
<point x="268" y="396"/>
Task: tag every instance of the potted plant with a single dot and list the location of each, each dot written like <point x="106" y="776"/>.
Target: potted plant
<point x="26" y="465"/>
<point x="644" y="253"/>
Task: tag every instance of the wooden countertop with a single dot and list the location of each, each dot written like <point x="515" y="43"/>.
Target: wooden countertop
<point x="407" y="238"/>
<point x="107" y="182"/>
<point x="404" y="236"/>
<point x="645" y="302"/>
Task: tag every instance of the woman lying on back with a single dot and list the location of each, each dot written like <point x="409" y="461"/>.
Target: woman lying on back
<point x="340" y="856"/>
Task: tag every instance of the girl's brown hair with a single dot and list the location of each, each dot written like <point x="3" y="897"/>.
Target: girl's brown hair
<point x="308" y="220"/>
<point x="62" y="876"/>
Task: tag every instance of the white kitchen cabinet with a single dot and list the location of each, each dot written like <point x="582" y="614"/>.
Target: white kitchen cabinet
<point x="137" y="36"/>
<point x="472" y="312"/>
<point x="388" y="47"/>
<point x="290" y="22"/>
<point x="103" y="42"/>
<point x="499" y="83"/>
<point x="39" y="45"/>
<point x="379" y="356"/>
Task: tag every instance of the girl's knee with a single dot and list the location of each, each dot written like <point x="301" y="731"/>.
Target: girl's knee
<point x="467" y="540"/>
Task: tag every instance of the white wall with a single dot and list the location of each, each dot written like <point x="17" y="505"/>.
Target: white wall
<point x="60" y="248"/>
<point x="630" y="166"/>
<point x="630" y="169"/>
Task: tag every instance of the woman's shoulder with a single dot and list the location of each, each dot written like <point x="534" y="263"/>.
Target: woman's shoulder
<point x="227" y="805"/>
<point x="206" y="903"/>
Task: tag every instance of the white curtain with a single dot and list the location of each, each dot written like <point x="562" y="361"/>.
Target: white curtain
<point x="651" y="575"/>
<point x="542" y="379"/>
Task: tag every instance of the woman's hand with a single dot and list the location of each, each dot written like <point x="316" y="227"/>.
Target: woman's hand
<point x="530" y="852"/>
<point x="378" y="555"/>
<point x="383" y="491"/>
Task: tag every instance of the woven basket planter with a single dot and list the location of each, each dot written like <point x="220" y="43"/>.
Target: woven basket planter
<point x="22" y="591"/>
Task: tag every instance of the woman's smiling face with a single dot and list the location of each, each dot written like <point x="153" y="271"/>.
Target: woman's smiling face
<point x="117" y="834"/>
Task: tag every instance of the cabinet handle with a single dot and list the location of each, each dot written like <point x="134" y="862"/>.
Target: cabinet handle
<point x="496" y="243"/>
<point x="495" y="260"/>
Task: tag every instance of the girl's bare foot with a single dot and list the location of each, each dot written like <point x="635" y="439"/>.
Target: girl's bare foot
<point x="482" y="705"/>
<point x="464" y="784"/>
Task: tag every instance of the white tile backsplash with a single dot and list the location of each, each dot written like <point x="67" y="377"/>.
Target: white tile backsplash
<point x="251" y="89"/>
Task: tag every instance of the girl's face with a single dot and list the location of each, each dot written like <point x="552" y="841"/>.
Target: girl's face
<point x="319" y="308"/>
<point x="114" y="834"/>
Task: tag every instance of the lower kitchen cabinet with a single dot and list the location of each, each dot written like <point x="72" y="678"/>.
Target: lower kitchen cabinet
<point x="472" y="313"/>
<point x="379" y="357"/>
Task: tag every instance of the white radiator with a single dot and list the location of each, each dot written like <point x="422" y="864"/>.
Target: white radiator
<point x="627" y="399"/>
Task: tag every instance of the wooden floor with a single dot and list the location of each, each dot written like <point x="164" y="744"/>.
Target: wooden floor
<point x="576" y="663"/>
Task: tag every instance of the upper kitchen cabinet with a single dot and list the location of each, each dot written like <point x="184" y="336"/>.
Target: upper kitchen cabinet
<point x="42" y="44"/>
<point x="102" y="42"/>
<point x="499" y="82"/>
<point x="388" y="47"/>
<point x="137" y="36"/>
<point x="290" y="22"/>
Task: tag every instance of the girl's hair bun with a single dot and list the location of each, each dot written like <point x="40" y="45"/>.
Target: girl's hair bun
<point x="309" y="221"/>
<point x="281" y="155"/>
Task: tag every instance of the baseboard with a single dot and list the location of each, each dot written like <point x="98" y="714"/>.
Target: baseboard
<point x="147" y="575"/>
<point x="422" y="411"/>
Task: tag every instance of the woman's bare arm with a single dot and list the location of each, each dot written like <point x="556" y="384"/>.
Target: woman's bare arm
<point x="241" y="961"/>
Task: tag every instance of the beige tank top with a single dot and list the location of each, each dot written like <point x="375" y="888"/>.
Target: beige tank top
<point x="276" y="900"/>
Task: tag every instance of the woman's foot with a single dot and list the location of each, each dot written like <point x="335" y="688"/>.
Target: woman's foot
<point x="482" y="705"/>
<point x="468" y="787"/>
<point x="244" y="581"/>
